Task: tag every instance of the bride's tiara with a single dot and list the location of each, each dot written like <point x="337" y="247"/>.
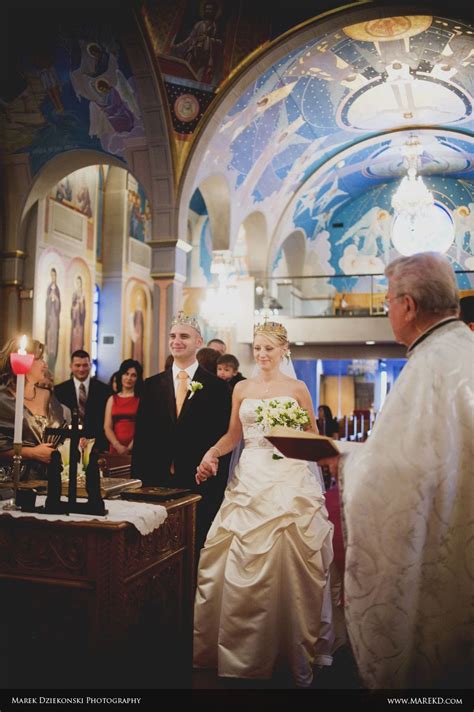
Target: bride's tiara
<point x="181" y="318"/>
<point x="271" y="327"/>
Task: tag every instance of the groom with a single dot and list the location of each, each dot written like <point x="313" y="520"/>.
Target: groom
<point x="183" y="411"/>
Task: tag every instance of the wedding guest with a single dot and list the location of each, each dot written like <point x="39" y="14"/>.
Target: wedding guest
<point x="327" y="425"/>
<point x="207" y="358"/>
<point x="217" y="345"/>
<point x="228" y="370"/>
<point x="121" y="408"/>
<point x="407" y="496"/>
<point x="41" y="410"/>
<point x="88" y="396"/>
<point x="169" y="361"/>
<point x="113" y="383"/>
<point x="263" y="594"/>
<point x="466" y="310"/>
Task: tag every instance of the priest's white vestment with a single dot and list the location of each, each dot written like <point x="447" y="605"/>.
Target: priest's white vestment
<point x="407" y="508"/>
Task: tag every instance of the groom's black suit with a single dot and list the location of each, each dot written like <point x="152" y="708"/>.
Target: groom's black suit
<point x="162" y="439"/>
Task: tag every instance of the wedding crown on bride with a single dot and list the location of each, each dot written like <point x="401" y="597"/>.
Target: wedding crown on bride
<point x="271" y="328"/>
<point x="182" y="318"/>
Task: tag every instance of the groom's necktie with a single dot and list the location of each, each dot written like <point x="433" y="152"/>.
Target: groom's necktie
<point x="82" y="401"/>
<point x="181" y="390"/>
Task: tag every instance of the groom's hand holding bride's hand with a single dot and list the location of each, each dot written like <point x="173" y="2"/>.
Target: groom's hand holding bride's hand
<point x="207" y="467"/>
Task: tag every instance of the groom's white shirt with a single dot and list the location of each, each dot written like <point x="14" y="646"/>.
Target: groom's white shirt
<point x="190" y="370"/>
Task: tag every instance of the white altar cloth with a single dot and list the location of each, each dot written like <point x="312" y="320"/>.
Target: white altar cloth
<point x="145" y="516"/>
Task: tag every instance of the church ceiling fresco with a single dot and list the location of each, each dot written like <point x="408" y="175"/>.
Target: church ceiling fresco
<point x="325" y="123"/>
<point x="69" y="86"/>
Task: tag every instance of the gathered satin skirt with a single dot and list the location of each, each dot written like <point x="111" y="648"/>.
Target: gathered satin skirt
<point x="263" y="599"/>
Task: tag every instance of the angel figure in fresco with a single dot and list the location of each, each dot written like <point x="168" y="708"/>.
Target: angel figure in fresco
<point x="464" y="225"/>
<point x="366" y="231"/>
<point x="113" y="109"/>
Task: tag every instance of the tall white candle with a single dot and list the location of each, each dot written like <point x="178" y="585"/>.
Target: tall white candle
<point x="20" y="396"/>
<point x="20" y="393"/>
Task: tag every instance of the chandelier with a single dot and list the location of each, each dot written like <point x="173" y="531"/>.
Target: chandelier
<point x="419" y="224"/>
<point x="220" y="306"/>
<point x="266" y="306"/>
<point x="412" y="195"/>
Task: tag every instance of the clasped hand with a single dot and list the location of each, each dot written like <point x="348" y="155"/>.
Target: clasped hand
<point x="207" y="468"/>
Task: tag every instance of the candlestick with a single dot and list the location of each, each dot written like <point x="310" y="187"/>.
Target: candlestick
<point x="21" y="363"/>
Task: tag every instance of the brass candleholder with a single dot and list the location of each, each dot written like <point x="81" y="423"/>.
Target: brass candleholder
<point x="17" y="460"/>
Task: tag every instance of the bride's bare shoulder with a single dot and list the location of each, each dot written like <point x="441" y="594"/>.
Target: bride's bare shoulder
<point x="242" y="387"/>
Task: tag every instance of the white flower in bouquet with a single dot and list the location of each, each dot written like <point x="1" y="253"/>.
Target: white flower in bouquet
<point x="287" y="413"/>
<point x="83" y="461"/>
<point x="86" y="453"/>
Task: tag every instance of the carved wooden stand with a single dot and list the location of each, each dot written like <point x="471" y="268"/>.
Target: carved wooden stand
<point x="83" y="596"/>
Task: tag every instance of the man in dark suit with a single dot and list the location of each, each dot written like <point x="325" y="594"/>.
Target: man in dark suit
<point x="183" y="411"/>
<point x="88" y="396"/>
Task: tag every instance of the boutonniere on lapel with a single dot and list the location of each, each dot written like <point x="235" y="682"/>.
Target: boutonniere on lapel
<point x="193" y="387"/>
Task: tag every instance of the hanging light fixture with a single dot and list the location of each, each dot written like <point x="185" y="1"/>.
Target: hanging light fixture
<point x="266" y="306"/>
<point x="220" y="307"/>
<point x="412" y="195"/>
<point x="420" y="223"/>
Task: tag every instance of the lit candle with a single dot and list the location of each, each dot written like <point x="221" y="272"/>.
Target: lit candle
<point x="21" y="363"/>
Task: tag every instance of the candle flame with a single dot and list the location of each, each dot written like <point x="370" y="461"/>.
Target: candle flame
<point x="22" y="349"/>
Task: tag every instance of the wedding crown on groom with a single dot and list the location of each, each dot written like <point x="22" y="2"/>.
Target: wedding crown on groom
<point x="182" y="318"/>
<point x="271" y="328"/>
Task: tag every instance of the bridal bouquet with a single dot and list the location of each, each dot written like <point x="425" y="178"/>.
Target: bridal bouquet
<point x="277" y="412"/>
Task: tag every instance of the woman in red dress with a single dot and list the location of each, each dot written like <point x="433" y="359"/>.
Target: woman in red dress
<point x="121" y="408"/>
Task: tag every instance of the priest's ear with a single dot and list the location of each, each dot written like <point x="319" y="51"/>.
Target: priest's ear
<point x="411" y="307"/>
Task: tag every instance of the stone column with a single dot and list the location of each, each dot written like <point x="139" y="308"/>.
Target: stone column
<point x="114" y="252"/>
<point x="168" y="270"/>
<point x="15" y="178"/>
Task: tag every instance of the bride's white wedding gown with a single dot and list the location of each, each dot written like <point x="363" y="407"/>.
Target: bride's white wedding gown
<point x="263" y="599"/>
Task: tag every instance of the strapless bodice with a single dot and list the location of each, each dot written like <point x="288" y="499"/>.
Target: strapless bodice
<point x="254" y="436"/>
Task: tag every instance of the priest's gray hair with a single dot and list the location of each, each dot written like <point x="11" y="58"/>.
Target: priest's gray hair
<point x="429" y="278"/>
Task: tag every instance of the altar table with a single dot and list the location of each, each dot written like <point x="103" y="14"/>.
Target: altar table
<point x="82" y="600"/>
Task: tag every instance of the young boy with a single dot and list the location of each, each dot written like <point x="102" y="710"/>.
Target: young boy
<point x="228" y="370"/>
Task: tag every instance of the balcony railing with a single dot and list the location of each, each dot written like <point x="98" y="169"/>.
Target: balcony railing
<point x="334" y="296"/>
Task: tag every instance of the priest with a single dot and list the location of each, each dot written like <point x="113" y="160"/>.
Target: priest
<point x="407" y="496"/>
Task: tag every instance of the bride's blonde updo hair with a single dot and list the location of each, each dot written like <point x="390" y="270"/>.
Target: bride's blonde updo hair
<point x="273" y="331"/>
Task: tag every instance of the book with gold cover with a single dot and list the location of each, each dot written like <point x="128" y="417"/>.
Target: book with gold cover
<point x="155" y="494"/>
<point x="301" y="444"/>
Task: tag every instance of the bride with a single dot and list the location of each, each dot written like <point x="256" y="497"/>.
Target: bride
<point x="263" y="600"/>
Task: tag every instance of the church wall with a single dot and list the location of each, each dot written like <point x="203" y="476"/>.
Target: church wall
<point x="69" y="222"/>
<point x="66" y="243"/>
